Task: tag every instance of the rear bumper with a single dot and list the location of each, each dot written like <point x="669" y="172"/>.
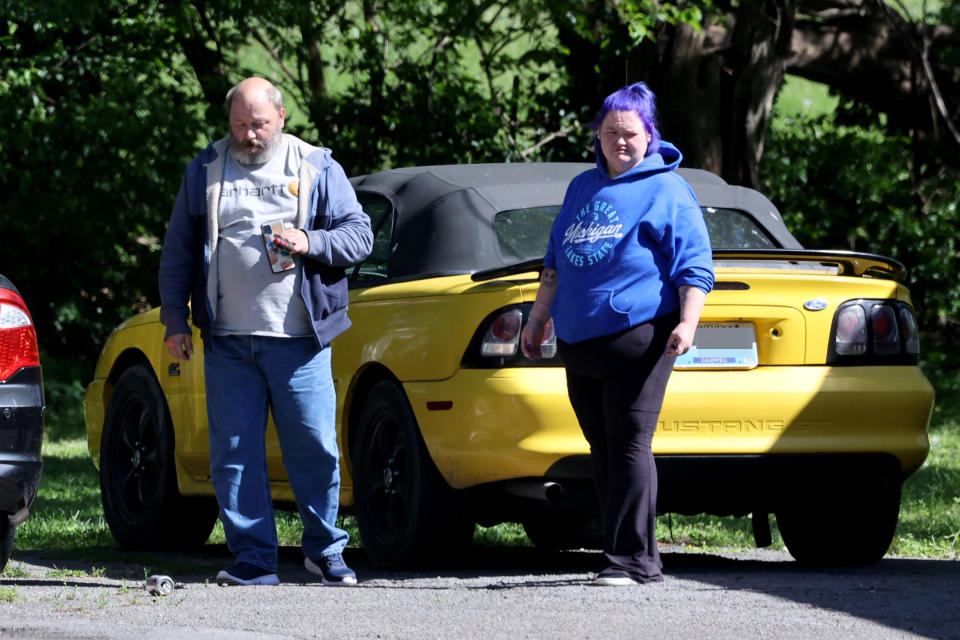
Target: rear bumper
<point x="21" y="437"/>
<point x="742" y="484"/>
<point x="517" y="423"/>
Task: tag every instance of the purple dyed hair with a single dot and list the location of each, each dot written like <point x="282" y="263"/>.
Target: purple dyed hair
<point x="638" y="98"/>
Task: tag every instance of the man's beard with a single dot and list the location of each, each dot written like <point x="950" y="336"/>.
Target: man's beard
<point x="255" y="151"/>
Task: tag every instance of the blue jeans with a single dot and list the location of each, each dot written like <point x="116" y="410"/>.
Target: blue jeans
<point x="246" y="375"/>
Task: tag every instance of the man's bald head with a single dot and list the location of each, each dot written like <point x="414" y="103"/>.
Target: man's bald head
<point x="251" y="88"/>
<point x="256" y="116"/>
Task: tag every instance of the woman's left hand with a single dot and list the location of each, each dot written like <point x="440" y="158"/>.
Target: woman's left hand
<point x="691" y="304"/>
<point x="681" y="339"/>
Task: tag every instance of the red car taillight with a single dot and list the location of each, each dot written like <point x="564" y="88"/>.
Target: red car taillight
<point x="503" y="335"/>
<point x="548" y="347"/>
<point x="851" y="334"/>
<point x="886" y="336"/>
<point x="496" y="341"/>
<point x="18" y="339"/>
<point x="911" y="336"/>
<point x="875" y="332"/>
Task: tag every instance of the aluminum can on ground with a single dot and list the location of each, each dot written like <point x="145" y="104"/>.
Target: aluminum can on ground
<point x="160" y="585"/>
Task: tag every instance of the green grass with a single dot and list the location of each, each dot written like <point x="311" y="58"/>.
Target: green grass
<point x="8" y="594"/>
<point x="68" y="516"/>
<point x="930" y="515"/>
<point x="67" y="520"/>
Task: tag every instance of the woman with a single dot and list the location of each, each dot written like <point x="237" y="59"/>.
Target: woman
<point x="625" y="276"/>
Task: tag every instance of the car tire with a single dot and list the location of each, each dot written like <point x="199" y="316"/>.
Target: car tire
<point x="138" y="479"/>
<point x="8" y="533"/>
<point x="561" y="531"/>
<point x="852" y="527"/>
<point x="406" y="512"/>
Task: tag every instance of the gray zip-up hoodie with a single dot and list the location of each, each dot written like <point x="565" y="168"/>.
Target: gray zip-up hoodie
<point x="328" y="211"/>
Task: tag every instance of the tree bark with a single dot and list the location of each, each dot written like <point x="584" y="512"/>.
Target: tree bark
<point x="869" y="53"/>
<point x="716" y="87"/>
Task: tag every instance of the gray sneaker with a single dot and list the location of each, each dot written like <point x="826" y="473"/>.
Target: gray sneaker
<point x="332" y="569"/>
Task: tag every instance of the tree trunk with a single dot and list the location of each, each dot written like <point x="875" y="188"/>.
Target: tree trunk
<point x="716" y="87"/>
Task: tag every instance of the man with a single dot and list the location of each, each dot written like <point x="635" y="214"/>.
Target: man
<point x="249" y="203"/>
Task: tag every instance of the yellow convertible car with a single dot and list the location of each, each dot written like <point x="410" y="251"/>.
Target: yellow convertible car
<point x="802" y="398"/>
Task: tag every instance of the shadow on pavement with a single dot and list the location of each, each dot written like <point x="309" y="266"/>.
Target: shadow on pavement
<point x="917" y="596"/>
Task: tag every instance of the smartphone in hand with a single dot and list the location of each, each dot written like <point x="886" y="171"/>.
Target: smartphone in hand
<point x="278" y="250"/>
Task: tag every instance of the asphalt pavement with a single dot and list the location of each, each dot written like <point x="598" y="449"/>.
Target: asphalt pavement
<point x="505" y="593"/>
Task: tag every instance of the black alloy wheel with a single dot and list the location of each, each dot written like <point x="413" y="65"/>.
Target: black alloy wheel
<point x="141" y="500"/>
<point x="406" y="512"/>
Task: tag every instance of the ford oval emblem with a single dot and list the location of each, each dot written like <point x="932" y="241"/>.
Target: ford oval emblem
<point x="815" y="305"/>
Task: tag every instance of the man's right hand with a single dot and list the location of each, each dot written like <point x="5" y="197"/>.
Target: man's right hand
<point x="180" y="345"/>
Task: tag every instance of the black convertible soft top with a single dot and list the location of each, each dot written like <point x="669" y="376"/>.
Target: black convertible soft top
<point x="444" y="213"/>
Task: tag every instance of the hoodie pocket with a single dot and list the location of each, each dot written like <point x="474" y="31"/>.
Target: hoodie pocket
<point x="582" y="314"/>
<point x="326" y="290"/>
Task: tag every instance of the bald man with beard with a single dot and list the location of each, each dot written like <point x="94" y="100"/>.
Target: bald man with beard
<point x="262" y="231"/>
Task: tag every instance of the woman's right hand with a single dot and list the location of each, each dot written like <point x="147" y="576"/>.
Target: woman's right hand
<point x="531" y="337"/>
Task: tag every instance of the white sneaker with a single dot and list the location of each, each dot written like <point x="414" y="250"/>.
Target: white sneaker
<point x="614" y="580"/>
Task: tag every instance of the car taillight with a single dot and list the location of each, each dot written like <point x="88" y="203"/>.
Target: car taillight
<point x="503" y="336"/>
<point x="548" y="347"/>
<point x="874" y="332"/>
<point x="851" y="334"/>
<point x="911" y="337"/>
<point x="886" y="336"/>
<point x="496" y="342"/>
<point x="18" y="339"/>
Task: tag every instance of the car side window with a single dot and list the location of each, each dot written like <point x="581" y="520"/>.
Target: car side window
<point x="522" y="234"/>
<point x="732" y="229"/>
<point x="373" y="270"/>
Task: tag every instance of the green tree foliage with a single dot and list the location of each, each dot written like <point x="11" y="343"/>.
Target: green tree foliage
<point x="860" y="188"/>
<point x="108" y="102"/>
<point x="105" y="103"/>
<point x="399" y="83"/>
<point x="94" y="102"/>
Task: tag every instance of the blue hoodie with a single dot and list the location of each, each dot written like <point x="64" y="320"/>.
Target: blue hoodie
<point x="623" y="246"/>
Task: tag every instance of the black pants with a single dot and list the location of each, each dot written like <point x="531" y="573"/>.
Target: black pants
<point x="616" y="385"/>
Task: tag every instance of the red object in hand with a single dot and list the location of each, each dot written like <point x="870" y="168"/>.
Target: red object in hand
<point x="282" y="246"/>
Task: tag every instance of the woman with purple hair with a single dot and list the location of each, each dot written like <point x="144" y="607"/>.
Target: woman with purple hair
<point x="625" y="276"/>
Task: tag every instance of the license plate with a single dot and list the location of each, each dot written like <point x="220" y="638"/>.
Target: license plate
<point x="721" y="345"/>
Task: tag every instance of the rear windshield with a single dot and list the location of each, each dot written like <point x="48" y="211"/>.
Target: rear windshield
<point x="523" y="233"/>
